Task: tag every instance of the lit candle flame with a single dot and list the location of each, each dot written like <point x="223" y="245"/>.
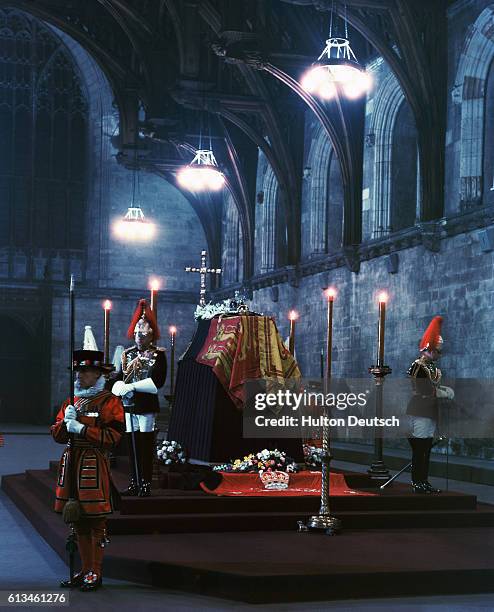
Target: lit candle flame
<point x="382" y="297"/>
<point x="107" y="305"/>
<point x="154" y="284"/>
<point x="173" y="330"/>
<point x="330" y="293"/>
<point x="293" y="315"/>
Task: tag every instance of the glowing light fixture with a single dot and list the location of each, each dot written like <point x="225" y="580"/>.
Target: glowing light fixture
<point x="134" y="227"/>
<point x="202" y="174"/>
<point x="337" y="70"/>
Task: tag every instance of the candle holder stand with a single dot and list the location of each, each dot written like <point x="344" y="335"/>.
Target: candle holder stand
<point x="378" y="470"/>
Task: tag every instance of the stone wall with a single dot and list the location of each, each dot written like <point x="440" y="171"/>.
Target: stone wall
<point x="457" y="282"/>
<point x="89" y="312"/>
<point x="108" y="268"/>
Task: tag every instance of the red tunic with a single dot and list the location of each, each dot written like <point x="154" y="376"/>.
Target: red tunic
<point x="103" y="417"/>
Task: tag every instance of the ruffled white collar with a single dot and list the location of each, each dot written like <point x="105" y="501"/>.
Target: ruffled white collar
<point x="94" y="390"/>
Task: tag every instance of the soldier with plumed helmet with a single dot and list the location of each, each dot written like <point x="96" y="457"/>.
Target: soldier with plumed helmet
<point x="143" y="372"/>
<point x="423" y="406"/>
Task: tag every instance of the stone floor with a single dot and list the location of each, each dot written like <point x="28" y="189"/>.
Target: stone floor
<point x="26" y="561"/>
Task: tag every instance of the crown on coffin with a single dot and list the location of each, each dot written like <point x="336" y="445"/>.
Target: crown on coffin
<point x="275" y="480"/>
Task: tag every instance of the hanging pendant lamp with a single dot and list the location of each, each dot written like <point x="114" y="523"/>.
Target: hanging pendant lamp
<point x="202" y="174"/>
<point x="337" y="71"/>
<point x="134" y="227"/>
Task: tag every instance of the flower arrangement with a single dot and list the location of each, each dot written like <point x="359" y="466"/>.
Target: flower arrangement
<point x="235" y="305"/>
<point x="264" y="461"/>
<point x="171" y="452"/>
<point x="313" y="456"/>
<point x="275" y="460"/>
<point x="210" y="310"/>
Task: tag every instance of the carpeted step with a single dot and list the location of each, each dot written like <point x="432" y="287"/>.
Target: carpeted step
<point x="193" y="520"/>
<point x="285" y="566"/>
<point x="396" y="501"/>
<point x="42" y="484"/>
<point x="43" y="518"/>
<point x="176" y="502"/>
<point x="260" y="521"/>
<point x="276" y="566"/>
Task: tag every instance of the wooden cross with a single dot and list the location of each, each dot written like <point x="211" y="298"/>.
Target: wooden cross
<point x="203" y="270"/>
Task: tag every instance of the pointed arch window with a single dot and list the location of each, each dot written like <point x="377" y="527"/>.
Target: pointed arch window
<point x="44" y="135"/>
<point x="489" y="138"/>
<point x="232" y="243"/>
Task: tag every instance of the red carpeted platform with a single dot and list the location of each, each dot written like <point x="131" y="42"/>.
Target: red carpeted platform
<point x="247" y="548"/>
<point x="299" y="485"/>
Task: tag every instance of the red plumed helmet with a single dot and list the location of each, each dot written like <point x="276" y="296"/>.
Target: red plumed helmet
<point x="143" y="311"/>
<point x="432" y="338"/>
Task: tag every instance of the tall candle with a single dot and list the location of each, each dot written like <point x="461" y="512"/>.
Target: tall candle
<point x="173" y="333"/>
<point x="383" y="298"/>
<point x="154" y="286"/>
<point x="106" y="342"/>
<point x="322" y="363"/>
<point x="293" y="316"/>
<point x="330" y="295"/>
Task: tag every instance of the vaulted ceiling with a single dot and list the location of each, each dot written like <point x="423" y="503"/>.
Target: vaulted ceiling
<point x="234" y="66"/>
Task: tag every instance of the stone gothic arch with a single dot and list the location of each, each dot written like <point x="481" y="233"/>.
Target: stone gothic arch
<point x="488" y="164"/>
<point x="325" y="198"/>
<point x="469" y="95"/>
<point x="319" y="162"/>
<point x="44" y="119"/>
<point x="387" y="103"/>
<point x="268" y="223"/>
<point x="232" y="243"/>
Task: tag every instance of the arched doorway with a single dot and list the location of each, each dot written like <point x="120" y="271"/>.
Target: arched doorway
<point x="19" y="400"/>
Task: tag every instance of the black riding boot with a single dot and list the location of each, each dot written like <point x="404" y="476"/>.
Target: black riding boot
<point x="133" y="488"/>
<point x="427" y="455"/>
<point x="147" y="451"/>
<point x="418" y="485"/>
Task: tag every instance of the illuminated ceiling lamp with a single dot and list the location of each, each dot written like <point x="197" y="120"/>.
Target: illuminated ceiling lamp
<point x="134" y="227"/>
<point x="337" y="70"/>
<point x="202" y="174"/>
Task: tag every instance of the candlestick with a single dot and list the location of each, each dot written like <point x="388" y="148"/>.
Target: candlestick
<point x="324" y="522"/>
<point x="378" y="470"/>
<point x="173" y="333"/>
<point x="330" y="295"/>
<point x="383" y="298"/>
<point x="293" y="316"/>
<point x="154" y="286"/>
<point x="106" y="342"/>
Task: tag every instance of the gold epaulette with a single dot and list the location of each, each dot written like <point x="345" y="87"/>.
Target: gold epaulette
<point x="123" y="358"/>
<point x="415" y="368"/>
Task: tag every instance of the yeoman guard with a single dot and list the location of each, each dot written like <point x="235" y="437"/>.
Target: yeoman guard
<point x="94" y="425"/>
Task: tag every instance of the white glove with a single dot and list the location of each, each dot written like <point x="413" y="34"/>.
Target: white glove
<point x="120" y="388"/>
<point x="74" y="426"/>
<point x="70" y="413"/>
<point x="145" y="386"/>
<point x="444" y="392"/>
